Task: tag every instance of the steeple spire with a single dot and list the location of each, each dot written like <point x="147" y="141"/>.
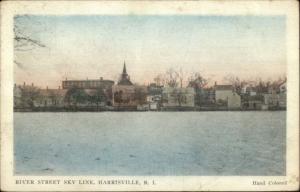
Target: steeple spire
<point x="124" y="68"/>
<point x="124" y="80"/>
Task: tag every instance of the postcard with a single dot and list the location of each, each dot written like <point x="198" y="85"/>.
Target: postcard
<point x="149" y="95"/>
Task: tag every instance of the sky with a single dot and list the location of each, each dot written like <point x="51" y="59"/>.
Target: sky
<point x="81" y="47"/>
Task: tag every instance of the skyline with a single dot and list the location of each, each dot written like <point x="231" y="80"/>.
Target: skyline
<point x="80" y="47"/>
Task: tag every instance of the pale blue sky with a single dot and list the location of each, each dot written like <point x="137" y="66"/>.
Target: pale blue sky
<point x="92" y="46"/>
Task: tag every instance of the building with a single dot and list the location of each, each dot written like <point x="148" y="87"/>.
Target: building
<point x="178" y="98"/>
<point x="17" y="96"/>
<point x="154" y="96"/>
<point x="234" y="101"/>
<point x="51" y="98"/>
<point x="275" y="100"/>
<point x="125" y="95"/>
<point x="222" y="92"/>
<point x="125" y="78"/>
<point x="252" y="102"/>
<point x="276" y="96"/>
<point x="25" y="96"/>
<point x="88" y="84"/>
<point x="225" y="96"/>
<point x="282" y="87"/>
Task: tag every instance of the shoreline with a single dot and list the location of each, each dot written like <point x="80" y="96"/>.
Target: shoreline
<point x="134" y="110"/>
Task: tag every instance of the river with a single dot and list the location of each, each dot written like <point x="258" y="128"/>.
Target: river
<point x="150" y="143"/>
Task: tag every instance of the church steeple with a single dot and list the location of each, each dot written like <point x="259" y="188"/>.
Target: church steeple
<point x="124" y="68"/>
<point x="124" y="80"/>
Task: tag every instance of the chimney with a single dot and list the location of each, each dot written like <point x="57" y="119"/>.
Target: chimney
<point x="101" y="78"/>
<point x="15" y="85"/>
<point x="66" y="79"/>
<point x="24" y="84"/>
<point x="58" y="87"/>
<point x="47" y="87"/>
<point x="215" y="83"/>
<point x="31" y="84"/>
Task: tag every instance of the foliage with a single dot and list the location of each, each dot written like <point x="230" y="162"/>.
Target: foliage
<point x="29" y="95"/>
<point x="76" y="96"/>
<point x="140" y="95"/>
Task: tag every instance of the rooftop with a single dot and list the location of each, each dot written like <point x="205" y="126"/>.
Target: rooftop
<point x="223" y="87"/>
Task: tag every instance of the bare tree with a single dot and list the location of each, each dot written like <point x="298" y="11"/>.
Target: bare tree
<point x="172" y="78"/>
<point x="159" y="80"/>
<point x="197" y="81"/>
<point x="180" y="96"/>
<point x="235" y="82"/>
<point x="180" y="75"/>
<point x="22" y="41"/>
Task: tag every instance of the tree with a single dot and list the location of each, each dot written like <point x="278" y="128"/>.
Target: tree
<point x="198" y="82"/>
<point x="98" y="97"/>
<point x="75" y="96"/>
<point x="22" y="41"/>
<point x="171" y="78"/>
<point x="235" y="82"/>
<point x="140" y="95"/>
<point x="179" y="96"/>
<point x="29" y="95"/>
<point x="159" y="80"/>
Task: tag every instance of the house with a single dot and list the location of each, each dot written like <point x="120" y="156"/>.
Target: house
<point x="252" y="102"/>
<point x="178" y="98"/>
<point x="51" y="98"/>
<point x="222" y="92"/>
<point x="25" y="96"/>
<point x="275" y="100"/>
<point x="282" y="87"/>
<point x="225" y="96"/>
<point x="17" y="96"/>
<point x="125" y="95"/>
<point x="276" y="97"/>
<point x="249" y="89"/>
<point x="87" y="84"/>
<point x="207" y="97"/>
<point x="234" y="101"/>
<point x="154" y="96"/>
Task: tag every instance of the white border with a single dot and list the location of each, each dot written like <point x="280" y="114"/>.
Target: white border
<point x="179" y="183"/>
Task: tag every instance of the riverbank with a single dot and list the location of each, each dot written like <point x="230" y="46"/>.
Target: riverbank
<point x="134" y="109"/>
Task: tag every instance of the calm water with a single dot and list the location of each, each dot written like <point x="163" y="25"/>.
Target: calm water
<point x="150" y="143"/>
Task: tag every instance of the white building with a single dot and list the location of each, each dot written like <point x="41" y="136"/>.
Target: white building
<point x="225" y="94"/>
<point x="17" y="96"/>
<point x="153" y="101"/>
<point x="282" y="87"/>
<point x="275" y="100"/>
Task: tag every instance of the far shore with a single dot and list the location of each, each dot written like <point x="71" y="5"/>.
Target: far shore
<point x="89" y="109"/>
